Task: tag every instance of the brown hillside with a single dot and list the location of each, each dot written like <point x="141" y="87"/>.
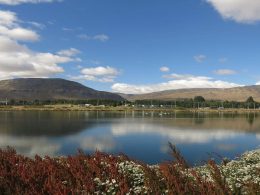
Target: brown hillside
<point x="50" y="89"/>
<point x="235" y="94"/>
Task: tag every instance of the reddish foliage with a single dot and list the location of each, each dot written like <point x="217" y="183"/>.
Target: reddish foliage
<point x="71" y="175"/>
<point x="76" y="175"/>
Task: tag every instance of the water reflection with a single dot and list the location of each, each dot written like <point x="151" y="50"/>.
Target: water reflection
<point x="30" y="146"/>
<point x="142" y="135"/>
<point x="43" y="123"/>
<point x="103" y="143"/>
<point x="174" y="133"/>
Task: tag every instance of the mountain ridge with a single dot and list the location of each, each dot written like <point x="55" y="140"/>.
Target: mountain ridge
<point x="50" y="89"/>
<point x="230" y="94"/>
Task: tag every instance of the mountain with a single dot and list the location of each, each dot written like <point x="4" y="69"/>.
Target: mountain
<point x="50" y="89"/>
<point x="231" y="94"/>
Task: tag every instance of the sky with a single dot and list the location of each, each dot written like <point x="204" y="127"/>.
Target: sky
<point x="132" y="46"/>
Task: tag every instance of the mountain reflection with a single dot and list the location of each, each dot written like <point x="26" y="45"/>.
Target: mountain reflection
<point x="41" y="123"/>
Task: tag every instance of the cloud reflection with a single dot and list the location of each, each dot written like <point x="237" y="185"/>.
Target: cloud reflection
<point x="104" y="143"/>
<point x="30" y="146"/>
<point x="177" y="135"/>
<point x="226" y="147"/>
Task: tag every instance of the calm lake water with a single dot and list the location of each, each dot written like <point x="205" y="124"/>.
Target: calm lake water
<point x="140" y="135"/>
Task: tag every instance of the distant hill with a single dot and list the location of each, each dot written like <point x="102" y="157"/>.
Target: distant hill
<point x="50" y="89"/>
<point x="235" y="94"/>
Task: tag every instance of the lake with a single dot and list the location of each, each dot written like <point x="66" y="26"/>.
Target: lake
<point x="141" y="135"/>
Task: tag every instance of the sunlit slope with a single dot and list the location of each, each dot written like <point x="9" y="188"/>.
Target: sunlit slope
<point x="235" y="94"/>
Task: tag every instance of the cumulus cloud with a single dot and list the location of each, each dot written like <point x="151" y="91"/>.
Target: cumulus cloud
<point x="7" y="18"/>
<point x="20" y="34"/>
<point x="99" y="74"/>
<point x="243" y="11"/>
<point x="225" y="72"/>
<point x="200" y="58"/>
<point x="9" y="27"/>
<point x="177" y="81"/>
<point x="17" y="2"/>
<point x="164" y="69"/>
<point x="16" y="59"/>
<point x="98" y="37"/>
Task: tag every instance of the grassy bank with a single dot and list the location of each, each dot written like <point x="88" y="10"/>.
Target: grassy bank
<point x="68" y="107"/>
<point x="105" y="174"/>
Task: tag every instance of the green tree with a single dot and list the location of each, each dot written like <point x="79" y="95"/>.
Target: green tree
<point x="250" y="100"/>
<point x="199" y="99"/>
<point x="12" y="102"/>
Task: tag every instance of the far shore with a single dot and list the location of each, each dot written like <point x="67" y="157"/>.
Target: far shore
<point x="68" y="107"/>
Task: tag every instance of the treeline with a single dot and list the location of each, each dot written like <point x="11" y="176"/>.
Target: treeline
<point x="93" y="102"/>
<point x="197" y="102"/>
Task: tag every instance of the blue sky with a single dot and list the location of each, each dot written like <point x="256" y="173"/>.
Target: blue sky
<point x="132" y="46"/>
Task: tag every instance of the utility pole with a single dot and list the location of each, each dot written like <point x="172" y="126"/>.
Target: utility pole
<point x="6" y="102"/>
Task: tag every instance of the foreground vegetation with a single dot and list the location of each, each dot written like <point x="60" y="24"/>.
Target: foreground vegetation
<point x="105" y="174"/>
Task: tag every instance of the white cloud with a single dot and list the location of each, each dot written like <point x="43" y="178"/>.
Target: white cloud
<point x="164" y="69"/>
<point x="100" y="71"/>
<point x="101" y="37"/>
<point x="99" y="74"/>
<point x="200" y="58"/>
<point x="7" y="18"/>
<point x="185" y="77"/>
<point x="257" y="83"/>
<point x="69" y="52"/>
<point x="179" y="82"/>
<point x="17" y="2"/>
<point x="16" y="59"/>
<point x="225" y="72"/>
<point x="20" y="34"/>
<point x="9" y="27"/>
<point x="37" y="25"/>
<point x="98" y="37"/>
<point x="243" y="11"/>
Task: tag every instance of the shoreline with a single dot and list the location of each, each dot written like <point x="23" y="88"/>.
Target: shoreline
<point x="122" y="109"/>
